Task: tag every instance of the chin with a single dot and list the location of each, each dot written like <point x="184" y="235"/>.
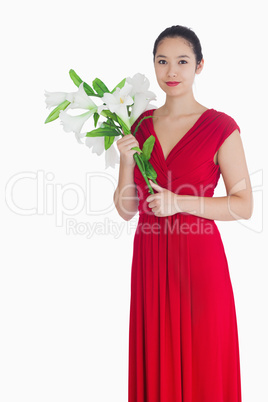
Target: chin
<point x="172" y="92"/>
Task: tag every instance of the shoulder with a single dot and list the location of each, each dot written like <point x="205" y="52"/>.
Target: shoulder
<point x="222" y="125"/>
<point x="224" y="118"/>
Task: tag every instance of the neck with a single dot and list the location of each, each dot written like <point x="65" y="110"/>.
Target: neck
<point x="180" y="105"/>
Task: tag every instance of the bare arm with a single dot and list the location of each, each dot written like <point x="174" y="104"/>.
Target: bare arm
<point x="238" y="203"/>
<point x="125" y="196"/>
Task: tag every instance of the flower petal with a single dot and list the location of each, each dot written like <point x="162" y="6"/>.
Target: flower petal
<point x="150" y="107"/>
<point x="140" y="85"/>
<point x="150" y="95"/>
<point x="78" y="136"/>
<point x="111" y="100"/>
<point x="81" y="100"/>
<point x="123" y="114"/>
<point x="73" y="123"/>
<point x="118" y="101"/>
<point x="54" y="98"/>
<point x="139" y="82"/>
<point x="101" y="108"/>
<point x="139" y="107"/>
<point x="96" y="143"/>
<point x="126" y="90"/>
<point x="111" y="157"/>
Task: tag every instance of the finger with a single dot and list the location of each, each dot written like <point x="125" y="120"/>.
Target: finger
<point x="156" y="186"/>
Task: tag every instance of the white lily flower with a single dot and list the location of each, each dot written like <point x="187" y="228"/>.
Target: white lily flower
<point x="140" y="84"/>
<point x="96" y="143"/>
<point x="150" y="107"/>
<point x="74" y="123"/>
<point x="78" y="136"/>
<point x="140" y="105"/>
<point x="117" y="102"/>
<point x="111" y="155"/>
<point x="80" y="100"/>
<point x="55" y="98"/>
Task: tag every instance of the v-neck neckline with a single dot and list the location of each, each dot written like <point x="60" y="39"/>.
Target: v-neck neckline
<point x="179" y="142"/>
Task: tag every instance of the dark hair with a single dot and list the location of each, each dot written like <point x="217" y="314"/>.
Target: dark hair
<point x="183" y="32"/>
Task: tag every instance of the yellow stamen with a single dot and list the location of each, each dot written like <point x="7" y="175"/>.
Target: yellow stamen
<point x="121" y="100"/>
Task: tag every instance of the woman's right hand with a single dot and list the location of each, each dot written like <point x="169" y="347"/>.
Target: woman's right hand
<point x="124" y="145"/>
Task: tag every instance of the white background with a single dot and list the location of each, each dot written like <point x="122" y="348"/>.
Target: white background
<point x="64" y="297"/>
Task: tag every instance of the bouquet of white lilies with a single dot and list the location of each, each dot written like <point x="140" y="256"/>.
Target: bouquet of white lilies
<point x="120" y="107"/>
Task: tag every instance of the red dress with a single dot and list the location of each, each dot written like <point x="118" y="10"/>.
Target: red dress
<point x="183" y="338"/>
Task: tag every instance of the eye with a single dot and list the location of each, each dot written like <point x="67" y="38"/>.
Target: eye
<point x="184" y="61"/>
<point x="160" y="61"/>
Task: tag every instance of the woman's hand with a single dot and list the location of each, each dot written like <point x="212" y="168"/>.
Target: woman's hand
<point x="124" y="145"/>
<point x="163" y="203"/>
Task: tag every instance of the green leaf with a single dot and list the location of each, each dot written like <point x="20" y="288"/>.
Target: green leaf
<point x="88" y="90"/>
<point x="111" y="123"/>
<point x="108" y="142"/>
<point x="102" y="131"/>
<point x="76" y="79"/>
<point x="108" y="113"/>
<point x="148" y="147"/>
<point x="96" y="117"/>
<point x="149" y="170"/>
<point x="108" y="123"/>
<point x="123" y="125"/>
<point x="120" y="85"/>
<point x="141" y="161"/>
<point x="56" y="112"/>
<point x="137" y="149"/>
<point x="100" y="87"/>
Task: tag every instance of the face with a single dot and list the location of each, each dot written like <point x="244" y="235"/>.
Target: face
<point x="175" y="62"/>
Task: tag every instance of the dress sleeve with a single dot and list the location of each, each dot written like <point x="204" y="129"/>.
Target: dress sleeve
<point x="228" y="126"/>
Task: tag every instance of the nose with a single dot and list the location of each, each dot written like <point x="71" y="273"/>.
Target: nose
<point x="172" y="70"/>
<point x="172" y="73"/>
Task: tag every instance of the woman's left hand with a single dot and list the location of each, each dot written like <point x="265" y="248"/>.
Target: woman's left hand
<point x="164" y="202"/>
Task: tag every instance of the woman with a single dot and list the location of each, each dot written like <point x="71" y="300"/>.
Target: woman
<point x="183" y="340"/>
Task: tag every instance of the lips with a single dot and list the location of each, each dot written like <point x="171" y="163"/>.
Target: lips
<point x="172" y="83"/>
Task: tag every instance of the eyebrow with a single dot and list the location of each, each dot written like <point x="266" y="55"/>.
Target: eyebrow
<point x="183" y="55"/>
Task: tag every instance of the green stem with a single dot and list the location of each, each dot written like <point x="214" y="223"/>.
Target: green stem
<point x="136" y="157"/>
<point x="137" y="160"/>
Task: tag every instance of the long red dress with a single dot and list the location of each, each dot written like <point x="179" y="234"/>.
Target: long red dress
<point x="183" y="338"/>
